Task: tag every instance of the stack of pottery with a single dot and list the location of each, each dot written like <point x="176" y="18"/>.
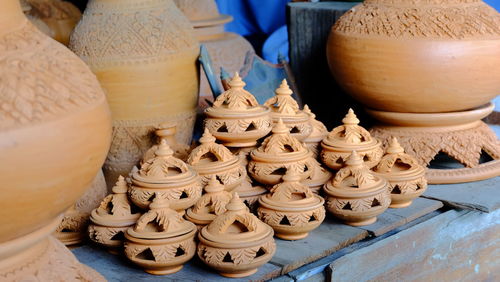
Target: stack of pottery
<point x="145" y="54"/>
<point x="161" y="241"/>
<point x="167" y="133"/>
<point x="55" y="130"/>
<point x="112" y="218"/>
<point x="226" y="49"/>
<point x="405" y="175"/>
<point x="210" y="205"/>
<point x="250" y="193"/>
<point x="236" y="118"/>
<point x="318" y="177"/>
<point x="344" y="139"/>
<point x="277" y="154"/>
<point x="236" y="243"/>
<point x="318" y="133"/>
<point x="283" y="106"/>
<point x="357" y="195"/>
<point x="165" y="177"/>
<point x="212" y="159"/>
<point x="291" y="208"/>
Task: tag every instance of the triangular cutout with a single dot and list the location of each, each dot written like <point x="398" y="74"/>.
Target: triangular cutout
<point x="260" y="253"/>
<point x="228" y="258"/>
<point x="375" y="203"/>
<point x="209" y="156"/>
<point x="179" y="252"/>
<point x="279" y="171"/>
<point x="152" y="197"/>
<point x="418" y="187"/>
<point x="285" y="221"/>
<point x="444" y="161"/>
<point x="295" y="130"/>
<point x="147" y="254"/>
<point x="288" y="148"/>
<point x="312" y="218"/>
<point x="396" y="190"/>
<point x="484" y="157"/>
<point x="251" y="127"/>
<point x="347" y="207"/>
<point x="223" y="128"/>
<point x="237" y="227"/>
<point x="119" y="236"/>
<point x="184" y="195"/>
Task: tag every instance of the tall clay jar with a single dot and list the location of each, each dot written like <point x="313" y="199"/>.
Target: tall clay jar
<point x="55" y="130"/>
<point x="144" y="54"/>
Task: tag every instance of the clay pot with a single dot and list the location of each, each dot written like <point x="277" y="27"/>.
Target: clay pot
<point x="236" y="243"/>
<point x="236" y="118"/>
<point x="342" y="140"/>
<point x="166" y="177"/>
<point x="167" y="133"/>
<point x="144" y="53"/>
<point x="406" y="177"/>
<point x="283" y="106"/>
<point x="318" y="133"/>
<point x="357" y="195"/>
<point x="317" y="178"/>
<point x="210" y="205"/>
<point x="447" y="61"/>
<point x="291" y="208"/>
<point x="161" y="241"/>
<point x="44" y="88"/>
<point x="112" y="218"/>
<point x="212" y="159"/>
<point x="250" y="193"/>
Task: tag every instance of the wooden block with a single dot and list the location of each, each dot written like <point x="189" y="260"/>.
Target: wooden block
<point x="118" y="268"/>
<point x="480" y="195"/>
<point x="453" y="246"/>
<point x="385" y="223"/>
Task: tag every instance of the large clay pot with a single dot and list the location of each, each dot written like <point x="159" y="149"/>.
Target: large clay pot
<point x="55" y="130"/>
<point x="144" y="54"/>
<point x="418" y="56"/>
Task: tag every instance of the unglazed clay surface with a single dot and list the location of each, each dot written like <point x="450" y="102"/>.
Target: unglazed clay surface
<point x="318" y="133"/>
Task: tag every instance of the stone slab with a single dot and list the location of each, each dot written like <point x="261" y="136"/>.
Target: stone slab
<point x="479" y="195"/>
<point x="118" y="268"/>
<point x="457" y="245"/>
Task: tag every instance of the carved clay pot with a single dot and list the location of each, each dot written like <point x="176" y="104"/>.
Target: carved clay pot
<point x="161" y="241"/>
<point x="166" y="177"/>
<point x="356" y="195"/>
<point x="342" y="140"/>
<point x="277" y="154"/>
<point x="317" y="178"/>
<point x="318" y="133"/>
<point x="236" y="243"/>
<point x="112" y="218"/>
<point x="291" y="208"/>
<point x="236" y="118"/>
<point x="250" y="193"/>
<point x="167" y="133"/>
<point x="226" y="49"/>
<point x="144" y="53"/>
<point x="405" y="175"/>
<point x="212" y="159"/>
<point x="44" y="88"/>
<point x="210" y="205"/>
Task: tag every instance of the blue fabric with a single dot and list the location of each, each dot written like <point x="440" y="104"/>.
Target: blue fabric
<point x="494" y="3"/>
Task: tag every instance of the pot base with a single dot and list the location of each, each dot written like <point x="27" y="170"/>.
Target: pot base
<point x="362" y="222"/>
<point x="291" y="237"/>
<point x="164" y="271"/>
<point x="460" y="135"/>
<point x="400" y="205"/>
<point x="239" y="274"/>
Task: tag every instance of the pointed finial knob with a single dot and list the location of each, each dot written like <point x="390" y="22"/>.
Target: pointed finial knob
<point x="308" y="111"/>
<point x="120" y="186"/>
<point x="159" y="203"/>
<point x="291" y="176"/>
<point x="214" y="186"/>
<point x="236" y="81"/>
<point x="394" y="147"/>
<point x="283" y="89"/>
<point x="350" y="118"/>
<point x="163" y="149"/>
<point x="280" y="127"/>
<point x="236" y="204"/>
<point x="207" y="137"/>
<point x="354" y="159"/>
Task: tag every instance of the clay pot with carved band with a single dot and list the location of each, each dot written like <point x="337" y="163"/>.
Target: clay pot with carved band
<point x="357" y="195"/>
<point x="236" y="118"/>
<point x="161" y="241"/>
<point x="277" y="154"/>
<point x="317" y="178"/>
<point x="342" y="140"/>
<point x="291" y="208"/>
<point x="212" y="159"/>
<point x="145" y="54"/>
<point x="405" y="175"/>
<point x="167" y="132"/>
<point x="236" y="243"/>
<point x="210" y="205"/>
<point x="166" y="177"/>
<point x="112" y="218"/>
<point x="250" y="193"/>
<point x="318" y="133"/>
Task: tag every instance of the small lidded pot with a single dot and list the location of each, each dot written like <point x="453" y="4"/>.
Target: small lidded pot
<point x="112" y="218"/>
<point x="167" y="132"/>
<point x="318" y="133"/>
<point x="277" y="154"/>
<point x="166" y="177"/>
<point x="236" y="243"/>
<point x="212" y="159"/>
<point x="250" y="193"/>
<point x="161" y="241"/>
<point x="291" y="208"/>
<point x="356" y="195"/>
<point x="317" y="178"/>
<point x="283" y="106"/>
<point x="236" y="118"/>
<point x="210" y="205"/>
<point x="344" y="139"/>
<point x="405" y="175"/>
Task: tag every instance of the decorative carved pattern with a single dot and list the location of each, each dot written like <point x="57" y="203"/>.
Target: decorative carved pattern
<point x="358" y="205"/>
<point x="296" y="219"/>
<point x="409" y="187"/>
<point x="162" y="253"/>
<point x="238" y="125"/>
<point x="371" y="158"/>
<point x="104" y="235"/>
<point x="262" y="169"/>
<point x="142" y="197"/>
<point x="215" y="256"/>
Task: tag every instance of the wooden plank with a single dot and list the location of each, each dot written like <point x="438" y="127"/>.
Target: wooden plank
<point x="453" y="246"/>
<point x="118" y="268"/>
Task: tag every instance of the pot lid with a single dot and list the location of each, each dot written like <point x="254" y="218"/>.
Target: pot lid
<point x="246" y="189"/>
<point x="212" y="203"/>
<point x="167" y="132"/>
<point x="283" y="105"/>
<point x="202" y="13"/>
<point x="319" y="176"/>
<point x="397" y="162"/>
<point x="210" y="154"/>
<point x="319" y="130"/>
<point x="350" y="135"/>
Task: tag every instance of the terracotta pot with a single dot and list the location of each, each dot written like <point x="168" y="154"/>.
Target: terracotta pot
<point x="44" y="89"/>
<point x="291" y="208"/>
<point x="161" y="241"/>
<point x="112" y="218"/>
<point x="167" y="133"/>
<point x="356" y="195"/>
<point x="342" y="140"/>
<point x="418" y="56"/>
<point x="166" y="177"/>
<point x="318" y="133"/>
<point x="279" y="153"/>
<point x="144" y="53"/>
<point x="250" y="193"/>
<point x="317" y="178"/>
<point x="212" y="159"/>
<point x="405" y="175"/>
<point x="236" y="243"/>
